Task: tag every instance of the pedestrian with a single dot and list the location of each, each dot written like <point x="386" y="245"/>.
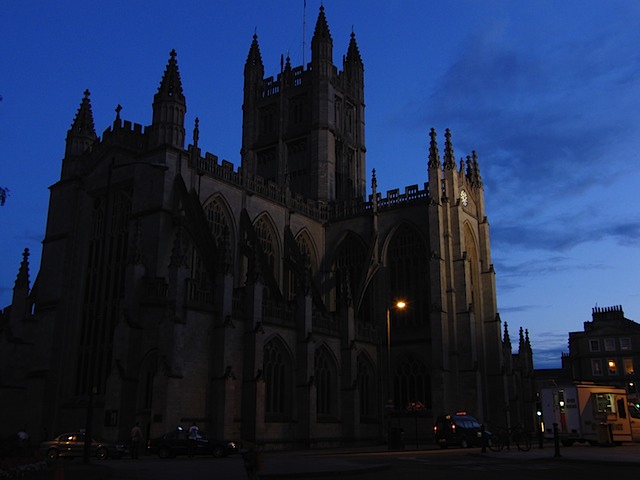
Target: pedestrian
<point x="192" y="439"/>
<point x="136" y="440"/>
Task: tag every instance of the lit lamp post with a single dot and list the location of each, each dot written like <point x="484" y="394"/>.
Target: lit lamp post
<point x="400" y="304"/>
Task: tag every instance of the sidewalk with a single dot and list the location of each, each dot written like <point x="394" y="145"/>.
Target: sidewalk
<point x="625" y="453"/>
<point x="323" y="463"/>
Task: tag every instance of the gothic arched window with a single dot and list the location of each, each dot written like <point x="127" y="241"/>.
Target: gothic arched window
<point x="278" y="376"/>
<point x="408" y="280"/>
<point x="267" y="239"/>
<point x="411" y="383"/>
<point x="366" y="387"/>
<point x="220" y="226"/>
<point x="105" y="287"/>
<point x="348" y="266"/>
<point x="305" y="247"/>
<point x="326" y="377"/>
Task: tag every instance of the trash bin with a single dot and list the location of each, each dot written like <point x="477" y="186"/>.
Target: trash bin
<point x="396" y="438"/>
<point x="604" y="435"/>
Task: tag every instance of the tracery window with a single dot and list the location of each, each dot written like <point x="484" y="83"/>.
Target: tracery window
<point x="366" y="387"/>
<point x="411" y="384"/>
<point x="348" y="268"/>
<point x="268" y="244"/>
<point x="277" y="370"/>
<point x="326" y="378"/>
<point x="408" y="262"/>
<point x="220" y="226"/>
<point x="106" y="264"/>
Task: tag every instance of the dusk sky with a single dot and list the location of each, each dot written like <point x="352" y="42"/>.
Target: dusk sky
<point x="547" y="92"/>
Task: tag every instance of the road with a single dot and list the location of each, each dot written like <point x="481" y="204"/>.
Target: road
<point x="451" y="464"/>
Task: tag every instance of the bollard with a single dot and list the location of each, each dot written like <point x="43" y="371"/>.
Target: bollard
<point x="556" y="440"/>
<point x="483" y="439"/>
<point x="540" y="438"/>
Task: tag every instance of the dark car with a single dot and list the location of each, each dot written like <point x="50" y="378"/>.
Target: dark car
<point x="460" y="429"/>
<point x="72" y="445"/>
<point x="176" y="443"/>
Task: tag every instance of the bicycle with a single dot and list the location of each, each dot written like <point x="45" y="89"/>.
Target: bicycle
<point x="504" y="437"/>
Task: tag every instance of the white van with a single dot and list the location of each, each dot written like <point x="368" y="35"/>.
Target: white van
<point x="634" y="420"/>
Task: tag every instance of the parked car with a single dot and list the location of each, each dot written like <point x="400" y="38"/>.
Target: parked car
<point x="72" y="445"/>
<point x="175" y="443"/>
<point x="459" y="429"/>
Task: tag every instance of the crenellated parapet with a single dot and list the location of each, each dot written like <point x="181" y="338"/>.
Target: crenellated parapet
<point x="125" y="134"/>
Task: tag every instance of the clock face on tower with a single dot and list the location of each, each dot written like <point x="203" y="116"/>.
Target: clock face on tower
<point x="464" y="199"/>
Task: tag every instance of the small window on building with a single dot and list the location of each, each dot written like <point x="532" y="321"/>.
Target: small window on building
<point x="625" y="343"/>
<point x="628" y="366"/>
<point x="610" y="344"/>
<point x="594" y="345"/>
<point x="613" y="370"/>
<point x="596" y="367"/>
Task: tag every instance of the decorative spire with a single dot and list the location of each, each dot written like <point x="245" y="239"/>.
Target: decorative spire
<point x="82" y="133"/>
<point x="22" y="279"/>
<point x="353" y="53"/>
<point x="171" y="85"/>
<point x="521" y="344"/>
<point x="434" y="155"/>
<point x="322" y="27"/>
<point x="169" y="108"/>
<point x="354" y="69"/>
<point x="506" y="338"/>
<point x="374" y="190"/>
<point x="322" y="47"/>
<point x="254" y="59"/>
<point x="196" y="132"/>
<point x="449" y="157"/>
<point x="253" y="73"/>
<point x="477" y="179"/>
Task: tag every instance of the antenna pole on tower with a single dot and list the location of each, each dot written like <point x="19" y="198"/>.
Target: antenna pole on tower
<point x="304" y="30"/>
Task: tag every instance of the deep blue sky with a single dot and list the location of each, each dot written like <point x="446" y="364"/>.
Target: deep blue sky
<point x="546" y="91"/>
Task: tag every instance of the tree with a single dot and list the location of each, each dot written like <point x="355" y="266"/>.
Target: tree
<point x="4" y="193"/>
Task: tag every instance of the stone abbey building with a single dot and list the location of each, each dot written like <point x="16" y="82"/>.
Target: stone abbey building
<point x="259" y="300"/>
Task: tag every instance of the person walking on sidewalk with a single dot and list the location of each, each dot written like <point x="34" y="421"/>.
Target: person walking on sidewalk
<point x="192" y="439"/>
<point x="136" y="440"/>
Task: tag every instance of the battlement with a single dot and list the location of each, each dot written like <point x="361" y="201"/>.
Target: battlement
<point x="209" y="165"/>
<point x="126" y="134"/>
<point x="394" y="197"/>
<point x="272" y="85"/>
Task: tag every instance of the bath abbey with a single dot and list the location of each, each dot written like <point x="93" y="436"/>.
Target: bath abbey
<point x="279" y="299"/>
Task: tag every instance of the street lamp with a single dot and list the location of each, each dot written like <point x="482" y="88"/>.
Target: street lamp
<point x="399" y="305"/>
